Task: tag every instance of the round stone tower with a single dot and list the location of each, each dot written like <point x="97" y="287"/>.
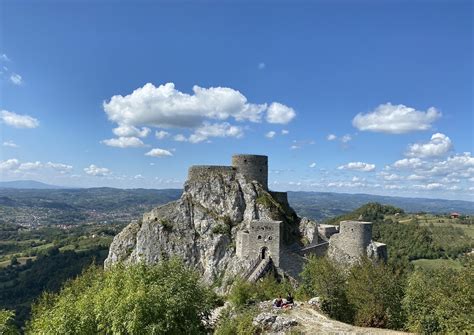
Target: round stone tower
<point x="254" y="167"/>
<point x="356" y="236"/>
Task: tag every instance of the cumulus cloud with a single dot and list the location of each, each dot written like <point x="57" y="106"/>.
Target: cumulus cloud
<point x="312" y="165"/>
<point x="279" y="113"/>
<point x="270" y="134"/>
<point x="161" y="134"/>
<point x="396" y="119"/>
<point x="346" y="138"/>
<point x="10" y="144"/>
<point x="358" y="166"/>
<point x="59" y="166"/>
<point x="331" y="137"/>
<point x="180" y="138"/>
<point x="131" y="131"/>
<point x="16" y="79"/>
<point x="4" y="58"/>
<point x="157" y="152"/>
<point x="408" y="163"/>
<point x="215" y="130"/>
<point x="165" y="106"/>
<point x="94" y="170"/>
<point x="30" y="166"/>
<point x="285" y="132"/>
<point x="17" y="120"/>
<point x="124" y="142"/>
<point x="439" y="145"/>
<point x="9" y="164"/>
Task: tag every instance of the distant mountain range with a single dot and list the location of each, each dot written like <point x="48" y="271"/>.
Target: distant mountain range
<point x="91" y="203"/>
<point x="28" y="184"/>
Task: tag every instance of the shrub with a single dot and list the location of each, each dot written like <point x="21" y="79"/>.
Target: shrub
<point x="163" y="299"/>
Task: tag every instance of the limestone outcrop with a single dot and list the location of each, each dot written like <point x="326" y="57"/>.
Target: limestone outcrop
<point x="202" y="226"/>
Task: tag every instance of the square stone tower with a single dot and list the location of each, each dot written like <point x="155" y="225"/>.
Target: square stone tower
<point x="261" y="240"/>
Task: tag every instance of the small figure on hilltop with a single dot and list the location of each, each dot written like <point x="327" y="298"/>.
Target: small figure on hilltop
<point x="278" y="302"/>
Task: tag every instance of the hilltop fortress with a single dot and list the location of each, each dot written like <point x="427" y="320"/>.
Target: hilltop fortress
<point x="228" y="223"/>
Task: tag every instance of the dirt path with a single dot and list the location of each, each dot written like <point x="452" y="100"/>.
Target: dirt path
<point x="312" y="322"/>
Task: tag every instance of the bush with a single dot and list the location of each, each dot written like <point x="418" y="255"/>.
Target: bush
<point x="239" y="324"/>
<point x="440" y="301"/>
<point x="375" y="294"/>
<point x="6" y="322"/>
<point x="163" y="299"/>
<point x="322" y="278"/>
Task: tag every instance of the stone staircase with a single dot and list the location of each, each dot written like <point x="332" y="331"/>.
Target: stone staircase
<point x="260" y="270"/>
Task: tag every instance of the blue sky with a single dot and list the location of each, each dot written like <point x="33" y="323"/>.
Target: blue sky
<point x="359" y="97"/>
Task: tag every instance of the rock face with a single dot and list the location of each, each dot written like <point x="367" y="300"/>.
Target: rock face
<point x="228" y="223"/>
<point x="201" y="227"/>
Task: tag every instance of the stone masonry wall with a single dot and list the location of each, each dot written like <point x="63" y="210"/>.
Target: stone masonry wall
<point x="254" y="167"/>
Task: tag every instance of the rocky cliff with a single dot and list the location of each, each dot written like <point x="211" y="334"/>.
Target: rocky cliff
<point x="201" y="226"/>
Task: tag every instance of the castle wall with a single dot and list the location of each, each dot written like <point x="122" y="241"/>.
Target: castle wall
<point x="351" y="242"/>
<point x="254" y="167"/>
<point x="242" y="244"/>
<point x="199" y="172"/>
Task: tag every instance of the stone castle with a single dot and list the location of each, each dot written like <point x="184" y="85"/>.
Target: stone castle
<point x="227" y="223"/>
<point x="262" y="239"/>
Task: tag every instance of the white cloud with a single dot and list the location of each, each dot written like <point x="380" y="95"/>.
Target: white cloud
<point x="215" y="130"/>
<point x="415" y="177"/>
<point x="131" y="131"/>
<point x="285" y="132"/>
<point x="331" y="137"/>
<point x="270" y="134"/>
<point x="4" y="58"/>
<point x="391" y="177"/>
<point x="439" y="145"/>
<point x="312" y="165"/>
<point x="408" y="163"/>
<point x="59" y="166"/>
<point x="161" y="134"/>
<point x="261" y="66"/>
<point x="358" y="166"/>
<point x="30" y="166"/>
<point x="395" y="119"/>
<point x="431" y="186"/>
<point x="10" y="144"/>
<point x="17" y="120"/>
<point x="295" y="147"/>
<point x="124" y="142"/>
<point x="16" y="79"/>
<point x="9" y="164"/>
<point x="165" y="106"/>
<point x="94" y="170"/>
<point x="157" y="152"/>
<point x="346" y="138"/>
<point x="180" y="138"/>
<point x="279" y="113"/>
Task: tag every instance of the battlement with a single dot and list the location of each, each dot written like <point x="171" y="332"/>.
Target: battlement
<point x="254" y="167"/>
<point x="197" y="172"/>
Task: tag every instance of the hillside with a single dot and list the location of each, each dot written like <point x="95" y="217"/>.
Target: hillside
<point x="76" y="206"/>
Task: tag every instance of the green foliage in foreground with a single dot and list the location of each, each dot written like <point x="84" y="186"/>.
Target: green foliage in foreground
<point x="239" y="324"/>
<point x="244" y="293"/>
<point x="6" y="322"/>
<point x="441" y="301"/>
<point x="322" y="278"/>
<point x="139" y="299"/>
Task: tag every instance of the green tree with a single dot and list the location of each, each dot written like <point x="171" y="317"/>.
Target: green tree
<point x="163" y="299"/>
<point x="6" y="322"/>
<point x="323" y="278"/>
<point x="376" y="294"/>
<point x="441" y="301"/>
